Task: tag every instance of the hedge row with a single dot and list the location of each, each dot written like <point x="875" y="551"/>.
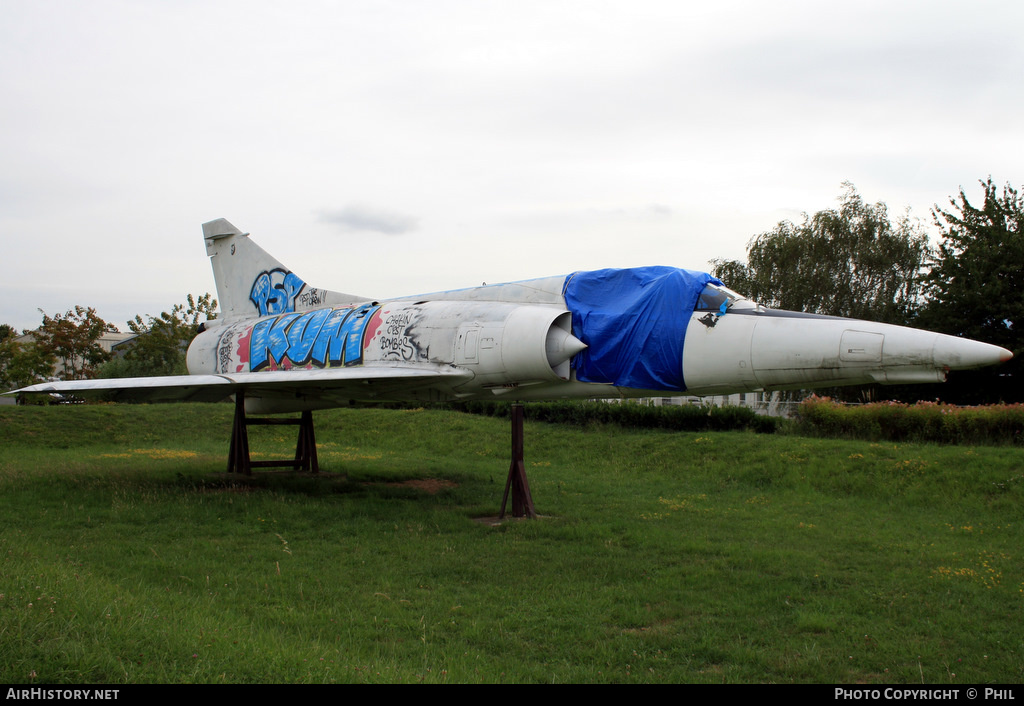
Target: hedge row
<point x="631" y="415"/>
<point x="922" y="422"/>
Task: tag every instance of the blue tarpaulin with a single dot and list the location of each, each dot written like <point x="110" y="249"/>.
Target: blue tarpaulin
<point x="634" y="323"/>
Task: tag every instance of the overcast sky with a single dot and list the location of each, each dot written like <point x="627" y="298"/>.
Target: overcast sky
<point x="390" y="148"/>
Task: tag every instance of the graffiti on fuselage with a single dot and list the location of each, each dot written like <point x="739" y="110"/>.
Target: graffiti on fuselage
<point x="325" y="338"/>
<point x="310" y="298"/>
<point x="274" y="292"/>
<point x="315" y="339"/>
<point x="224" y="352"/>
<point x="396" y="341"/>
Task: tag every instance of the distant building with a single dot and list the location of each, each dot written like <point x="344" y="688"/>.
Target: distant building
<point x="767" y="403"/>
<point x="117" y="343"/>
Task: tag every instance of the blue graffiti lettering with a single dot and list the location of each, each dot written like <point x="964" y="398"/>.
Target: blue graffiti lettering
<point x="322" y="338"/>
<point x="329" y="348"/>
<point x="269" y="341"/>
<point x="303" y="334"/>
<point x="274" y="292"/>
<point x="354" y="338"/>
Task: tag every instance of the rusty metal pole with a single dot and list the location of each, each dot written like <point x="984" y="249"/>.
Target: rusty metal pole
<point x="305" y="449"/>
<point x="522" y="501"/>
<point x="238" y="453"/>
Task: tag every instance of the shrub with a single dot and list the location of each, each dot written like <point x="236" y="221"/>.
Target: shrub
<point x="633" y="416"/>
<point x="921" y="422"/>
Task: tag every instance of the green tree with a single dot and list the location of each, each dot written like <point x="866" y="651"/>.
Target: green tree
<point x="850" y="261"/>
<point x="73" y="340"/>
<point x="162" y="341"/>
<point x="976" y="288"/>
<point x="21" y="364"/>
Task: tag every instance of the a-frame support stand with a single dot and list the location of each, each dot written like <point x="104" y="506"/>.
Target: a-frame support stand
<point x="238" y="455"/>
<point x="522" y="501"/>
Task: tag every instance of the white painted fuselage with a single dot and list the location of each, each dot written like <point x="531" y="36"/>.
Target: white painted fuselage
<point x="754" y="348"/>
<point x="516" y="341"/>
<point x="289" y="346"/>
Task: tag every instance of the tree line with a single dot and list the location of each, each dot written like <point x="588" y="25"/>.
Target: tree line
<point x="69" y="344"/>
<point x="853" y="260"/>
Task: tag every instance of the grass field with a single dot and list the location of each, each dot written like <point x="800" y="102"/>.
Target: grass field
<point x="128" y="555"/>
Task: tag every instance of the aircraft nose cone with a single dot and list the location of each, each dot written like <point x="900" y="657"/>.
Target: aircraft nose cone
<point x="964" y="354"/>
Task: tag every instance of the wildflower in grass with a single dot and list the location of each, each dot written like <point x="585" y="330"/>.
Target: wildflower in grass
<point x="963" y="572"/>
<point x="159" y="454"/>
<point x="284" y="541"/>
<point x="346" y="456"/>
<point x="910" y="466"/>
<point x="985" y="571"/>
<point x="676" y="504"/>
<point x="165" y="453"/>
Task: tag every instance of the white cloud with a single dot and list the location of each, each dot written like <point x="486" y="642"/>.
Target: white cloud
<point x="361" y="217"/>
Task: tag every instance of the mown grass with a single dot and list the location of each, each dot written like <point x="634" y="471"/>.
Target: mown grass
<point x="128" y="555"/>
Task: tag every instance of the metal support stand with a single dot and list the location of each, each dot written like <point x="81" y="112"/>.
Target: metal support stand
<point x="238" y="454"/>
<point x="522" y="501"/>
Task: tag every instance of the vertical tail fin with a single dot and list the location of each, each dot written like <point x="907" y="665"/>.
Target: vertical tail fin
<point x="252" y="282"/>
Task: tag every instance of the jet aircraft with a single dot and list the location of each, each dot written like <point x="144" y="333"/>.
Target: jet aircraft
<point x="281" y="345"/>
<point x="615" y="333"/>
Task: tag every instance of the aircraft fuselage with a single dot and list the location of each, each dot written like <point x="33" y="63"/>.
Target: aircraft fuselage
<point x="517" y="341"/>
<point x="634" y="332"/>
